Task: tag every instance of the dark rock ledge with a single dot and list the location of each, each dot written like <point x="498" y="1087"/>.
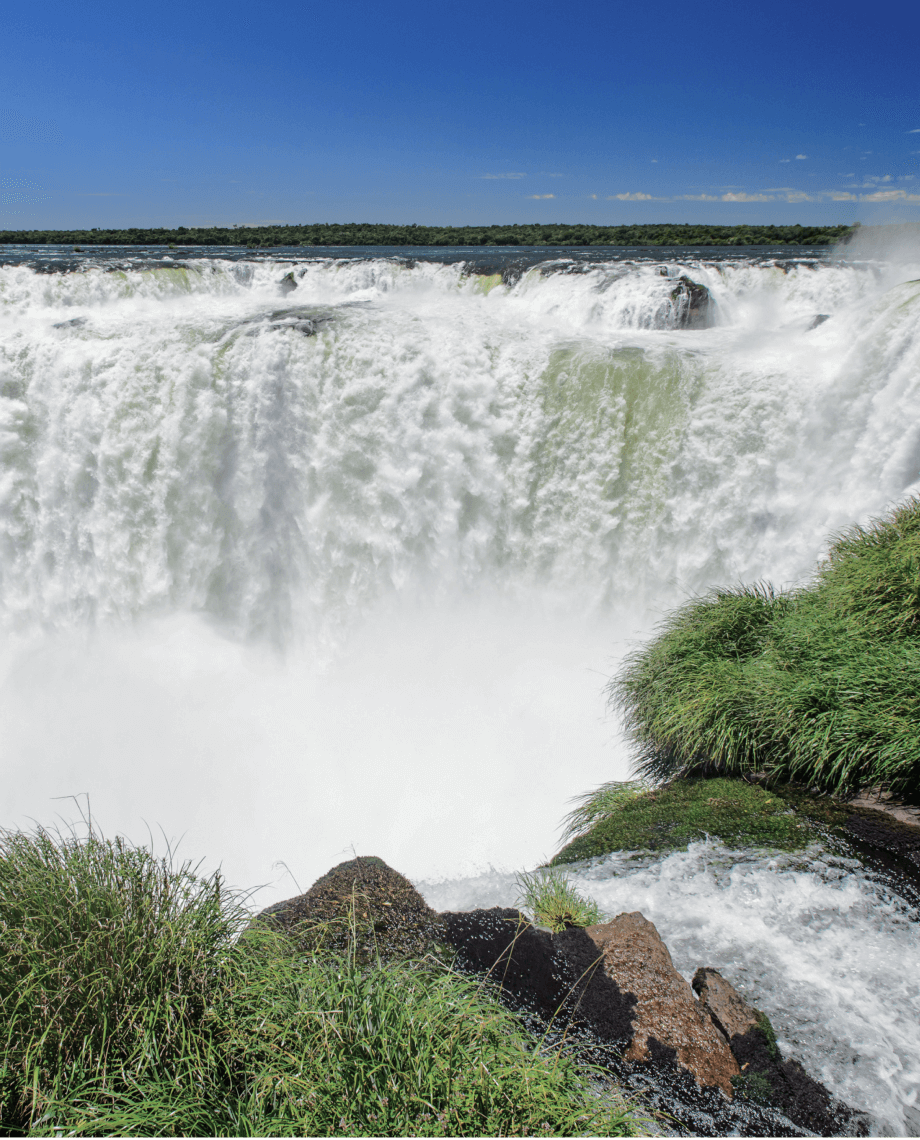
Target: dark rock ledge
<point x="709" y="1064"/>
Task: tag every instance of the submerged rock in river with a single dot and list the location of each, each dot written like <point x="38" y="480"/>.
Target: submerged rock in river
<point x="694" y="307"/>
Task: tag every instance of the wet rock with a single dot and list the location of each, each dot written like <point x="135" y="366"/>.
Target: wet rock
<point x="764" y="1076"/>
<point x="362" y="905"/>
<point x="288" y="283"/>
<point x="819" y="319"/>
<point x="616" y="979"/>
<point x="75" y="323"/>
<point x="305" y="321"/>
<point x="667" y="1016"/>
<point x="725" y="1005"/>
<point x="694" y="307"/>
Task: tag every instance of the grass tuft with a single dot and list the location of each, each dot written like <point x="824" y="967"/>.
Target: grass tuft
<point x="550" y="899"/>
<point x="131" y="1006"/>
<point x="599" y="804"/>
<point x="819" y="685"/>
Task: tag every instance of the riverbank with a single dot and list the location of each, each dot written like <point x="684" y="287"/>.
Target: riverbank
<point x="330" y="234"/>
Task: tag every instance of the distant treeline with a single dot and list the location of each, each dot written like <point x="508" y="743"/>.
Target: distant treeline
<point x="353" y="233"/>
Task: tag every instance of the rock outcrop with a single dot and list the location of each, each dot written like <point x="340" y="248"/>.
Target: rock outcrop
<point x="667" y="1017"/>
<point x="363" y="905"/>
<point x="764" y="1074"/>
<point x="693" y="305"/>
<point x="617" y="979"/>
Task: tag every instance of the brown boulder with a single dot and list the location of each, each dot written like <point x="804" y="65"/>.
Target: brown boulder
<point x="666" y="1012"/>
<point x="766" y="1076"/>
<point x="725" y="1005"/>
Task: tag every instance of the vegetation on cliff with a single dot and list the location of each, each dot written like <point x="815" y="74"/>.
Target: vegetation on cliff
<point x="131" y="1006"/>
<point x="375" y="234"/>
<point x="819" y="685"/>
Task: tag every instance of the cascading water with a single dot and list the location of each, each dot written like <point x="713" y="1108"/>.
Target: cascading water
<point x="287" y="571"/>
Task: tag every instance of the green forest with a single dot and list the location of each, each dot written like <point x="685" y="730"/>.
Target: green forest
<point x="354" y="233"/>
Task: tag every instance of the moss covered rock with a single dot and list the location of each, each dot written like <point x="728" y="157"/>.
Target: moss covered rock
<point x="362" y="905"/>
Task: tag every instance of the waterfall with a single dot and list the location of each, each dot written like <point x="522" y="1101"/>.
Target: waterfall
<point x="300" y="555"/>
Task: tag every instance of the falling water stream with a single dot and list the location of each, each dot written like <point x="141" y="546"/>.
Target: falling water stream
<point x="292" y="566"/>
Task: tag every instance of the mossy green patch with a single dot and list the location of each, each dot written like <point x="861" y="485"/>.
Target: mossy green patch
<point x="766" y="1028"/>
<point x="670" y="817"/>
<point x="627" y="816"/>
<point x="752" y="1087"/>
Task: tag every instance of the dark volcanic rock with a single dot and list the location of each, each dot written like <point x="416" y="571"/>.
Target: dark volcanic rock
<point x="362" y="904"/>
<point x="616" y="979"/>
<point x="764" y="1073"/>
<point x="694" y="307"/>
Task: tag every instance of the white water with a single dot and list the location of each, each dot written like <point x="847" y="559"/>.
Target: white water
<point x="289" y="596"/>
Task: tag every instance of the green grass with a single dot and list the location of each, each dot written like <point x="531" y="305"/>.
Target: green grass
<point x="131" y="1005"/>
<point x="551" y="900"/>
<point x="820" y="685"/>
<point x="618" y="818"/>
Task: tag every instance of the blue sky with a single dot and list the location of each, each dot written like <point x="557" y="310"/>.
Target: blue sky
<point x="171" y="114"/>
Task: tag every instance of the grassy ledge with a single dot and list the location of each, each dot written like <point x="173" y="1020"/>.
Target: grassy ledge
<point x="670" y="817"/>
<point x="131" y="1005"/>
<point x="776" y="817"/>
<point x="819" y="686"/>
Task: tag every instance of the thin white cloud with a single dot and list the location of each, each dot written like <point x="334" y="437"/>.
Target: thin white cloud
<point x="747" y="198"/>
<point x="915" y="131"/>
<point x="510" y="175"/>
<point x="842" y="196"/>
<point x="698" y="198"/>
<point x="654" y="160"/>
<point x="541" y="195"/>
<point x="800" y="156"/>
<point x="637" y="197"/>
<point x="889" y="196"/>
<point x="785" y="160"/>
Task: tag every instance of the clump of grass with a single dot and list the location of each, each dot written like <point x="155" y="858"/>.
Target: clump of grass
<point x="107" y="959"/>
<point x="820" y="685"/>
<point x="550" y="899"/>
<point x="131" y="1006"/>
<point x="672" y="816"/>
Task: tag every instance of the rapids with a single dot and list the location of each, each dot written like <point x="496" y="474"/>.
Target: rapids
<point x="290" y="572"/>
